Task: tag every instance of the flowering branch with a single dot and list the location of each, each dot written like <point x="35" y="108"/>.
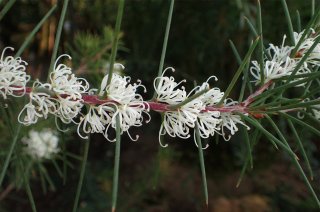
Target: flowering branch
<point x="65" y="95"/>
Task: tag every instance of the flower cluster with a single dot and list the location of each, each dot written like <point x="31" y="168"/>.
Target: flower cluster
<point x="280" y="62"/>
<point x="41" y="145"/>
<point x="177" y="122"/>
<point x="13" y="78"/>
<point x="123" y="101"/>
<point x="62" y="97"/>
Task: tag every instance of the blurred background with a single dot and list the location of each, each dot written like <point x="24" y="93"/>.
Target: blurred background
<point x="151" y="178"/>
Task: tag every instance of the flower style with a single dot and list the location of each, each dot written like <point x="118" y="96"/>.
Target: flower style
<point x="40" y="104"/>
<point x="13" y="78"/>
<point x="41" y="145"/>
<point x="69" y="90"/>
<point x="229" y="121"/>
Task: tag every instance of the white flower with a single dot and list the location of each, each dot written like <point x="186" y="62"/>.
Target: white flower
<point x="130" y="105"/>
<point x="40" y="104"/>
<point x="316" y="111"/>
<point x="229" y="121"/>
<point x="165" y="87"/>
<point x="209" y="121"/>
<point x="95" y="120"/>
<point x="272" y="69"/>
<point x="69" y="90"/>
<point x="177" y="122"/>
<point x="41" y="145"/>
<point x="13" y="77"/>
<point x="305" y="45"/>
<point x="63" y="82"/>
<point x="130" y="115"/>
<point x="280" y="54"/>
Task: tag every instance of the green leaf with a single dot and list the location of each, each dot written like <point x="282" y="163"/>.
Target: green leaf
<point x="268" y="135"/>
<point x="295" y="161"/>
<point x="290" y="27"/>
<point x="239" y="71"/>
<point x="302" y="123"/>
<point x="235" y="52"/>
<point x="202" y="165"/>
<point x="305" y="157"/>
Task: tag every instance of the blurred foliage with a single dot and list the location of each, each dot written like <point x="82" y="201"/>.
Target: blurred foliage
<point x="198" y="47"/>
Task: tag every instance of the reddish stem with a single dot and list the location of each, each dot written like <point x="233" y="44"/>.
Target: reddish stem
<point x="162" y="107"/>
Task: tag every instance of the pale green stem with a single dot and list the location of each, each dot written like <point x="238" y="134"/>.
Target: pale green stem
<point x="239" y="71"/>
<point x="116" y="164"/>
<point x="6" y="8"/>
<point x="115" y="40"/>
<point x="261" y="47"/>
<point x="82" y="173"/>
<point x="58" y="36"/>
<point x="164" y="46"/>
<point x="7" y="160"/>
<point x="202" y="165"/>
<point x="289" y="22"/>
<point x="34" y="31"/>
